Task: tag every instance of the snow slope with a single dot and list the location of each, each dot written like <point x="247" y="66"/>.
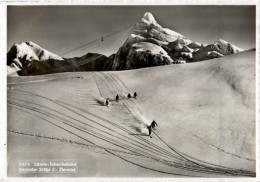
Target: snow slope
<point x="205" y="110"/>
<point x="214" y="100"/>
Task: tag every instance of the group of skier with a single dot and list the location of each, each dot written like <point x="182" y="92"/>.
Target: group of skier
<point x="150" y="127"/>
<point x="134" y="96"/>
<point x="129" y="96"/>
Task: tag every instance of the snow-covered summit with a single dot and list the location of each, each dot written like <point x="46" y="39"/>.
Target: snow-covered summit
<point x="227" y="46"/>
<point x="22" y="54"/>
<point x="147" y="31"/>
<point x="149" y="17"/>
<point x="148" y="27"/>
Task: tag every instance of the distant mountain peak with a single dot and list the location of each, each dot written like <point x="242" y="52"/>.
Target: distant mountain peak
<point x="149" y="17"/>
<point x="220" y="41"/>
<point x="149" y="35"/>
<point x="231" y="47"/>
<point x="20" y="55"/>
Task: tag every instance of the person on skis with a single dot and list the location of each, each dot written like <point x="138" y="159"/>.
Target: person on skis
<point x="135" y="95"/>
<point x="107" y="102"/>
<point x="153" y="125"/>
<point x="149" y="130"/>
<point x="129" y="96"/>
<point x="117" y="98"/>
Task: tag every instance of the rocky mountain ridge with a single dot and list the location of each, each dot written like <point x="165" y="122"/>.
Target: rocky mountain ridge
<point x="149" y="44"/>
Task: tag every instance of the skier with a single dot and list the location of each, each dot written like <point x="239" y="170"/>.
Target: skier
<point x="107" y="102"/>
<point x="117" y="98"/>
<point x="135" y="95"/>
<point x="153" y="124"/>
<point x="149" y="130"/>
<point x="129" y="96"/>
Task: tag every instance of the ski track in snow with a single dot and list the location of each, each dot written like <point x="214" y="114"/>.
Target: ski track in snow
<point x="115" y="85"/>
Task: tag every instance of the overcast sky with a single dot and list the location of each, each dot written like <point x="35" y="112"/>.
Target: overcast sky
<point x="60" y="29"/>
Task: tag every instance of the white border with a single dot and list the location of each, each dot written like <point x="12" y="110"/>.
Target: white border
<point x="257" y="92"/>
<point x="130" y="2"/>
<point x="3" y="73"/>
<point x="3" y="85"/>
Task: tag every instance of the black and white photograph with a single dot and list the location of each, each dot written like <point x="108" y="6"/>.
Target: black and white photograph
<point x="131" y="91"/>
